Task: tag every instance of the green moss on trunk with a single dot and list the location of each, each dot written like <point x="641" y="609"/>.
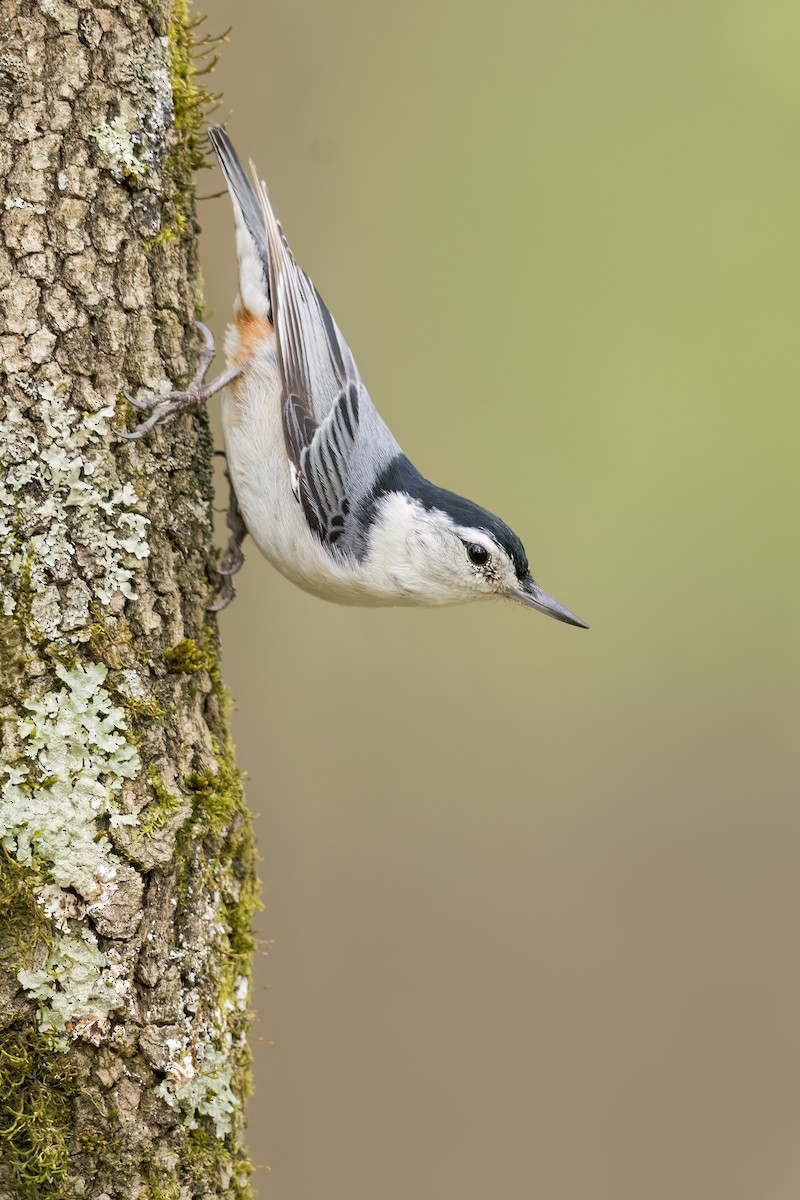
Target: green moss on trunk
<point x="191" y="57"/>
<point x="38" y="1086"/>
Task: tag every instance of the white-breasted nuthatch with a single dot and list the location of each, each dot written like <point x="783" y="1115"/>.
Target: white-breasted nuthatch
<point x="322" y="486"/>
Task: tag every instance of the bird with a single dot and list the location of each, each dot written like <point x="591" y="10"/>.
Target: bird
<point x="317" y="478"/>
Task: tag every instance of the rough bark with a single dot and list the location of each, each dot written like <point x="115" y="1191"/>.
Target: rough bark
<point x="126" y="857"/>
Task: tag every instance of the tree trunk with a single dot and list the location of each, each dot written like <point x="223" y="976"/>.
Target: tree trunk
<point x="126" y="856"/>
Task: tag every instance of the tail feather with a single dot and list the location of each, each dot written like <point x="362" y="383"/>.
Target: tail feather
<point x="251" y="233"/>
<point x="314" y="360"/>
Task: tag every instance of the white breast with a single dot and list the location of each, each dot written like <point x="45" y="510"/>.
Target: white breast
<point x="261" y="475"/>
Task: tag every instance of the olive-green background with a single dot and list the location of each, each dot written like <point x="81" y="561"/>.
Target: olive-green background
<point x="533" y="890"/>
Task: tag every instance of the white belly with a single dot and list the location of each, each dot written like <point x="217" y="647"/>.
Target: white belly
<point x="260" y="471"/>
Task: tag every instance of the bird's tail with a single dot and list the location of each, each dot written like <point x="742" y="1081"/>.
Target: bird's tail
<point x="251" y="234"/>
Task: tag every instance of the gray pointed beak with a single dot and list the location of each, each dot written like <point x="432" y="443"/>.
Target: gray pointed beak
<point x="531" y="595"/>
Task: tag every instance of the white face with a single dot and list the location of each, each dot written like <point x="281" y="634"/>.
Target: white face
<point x="478" y="567"/>
<point x="421" y="556"/>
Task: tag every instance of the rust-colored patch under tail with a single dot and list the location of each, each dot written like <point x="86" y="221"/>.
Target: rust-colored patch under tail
<point x="252" y="331"/>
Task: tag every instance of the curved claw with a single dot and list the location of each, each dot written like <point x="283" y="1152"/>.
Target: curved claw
<point x="208" y="336"/>
<point x="130" y="437"/>
<point x="206" y="355"/>
<point x="140" y="430"/>
<point x="133" y="400"/>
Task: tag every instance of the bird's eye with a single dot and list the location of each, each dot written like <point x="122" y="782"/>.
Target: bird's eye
<point x="476" y="554"/>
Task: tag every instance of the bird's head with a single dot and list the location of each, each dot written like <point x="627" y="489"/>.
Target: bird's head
<point x="435" y="547"/>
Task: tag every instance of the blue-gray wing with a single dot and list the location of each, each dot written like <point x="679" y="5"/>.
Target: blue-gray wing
<point x="326" y="482"/>
<point x="335" y="439"/>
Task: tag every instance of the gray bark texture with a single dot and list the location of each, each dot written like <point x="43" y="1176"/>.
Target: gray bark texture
<point x="127" y="877"/>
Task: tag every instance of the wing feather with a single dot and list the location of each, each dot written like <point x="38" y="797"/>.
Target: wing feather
<point x="324" y="476"/>
<point x="321" y="396"/>
<point x="288" y="286"/>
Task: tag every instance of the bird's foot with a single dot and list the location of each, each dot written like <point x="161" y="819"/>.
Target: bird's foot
<point x="233" y="557"/>
<point x="165" y="407"/>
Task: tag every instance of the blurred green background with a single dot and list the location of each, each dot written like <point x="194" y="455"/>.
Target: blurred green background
<point x="534" y="891"/>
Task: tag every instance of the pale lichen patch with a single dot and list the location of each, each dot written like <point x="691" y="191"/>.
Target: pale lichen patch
<point x="18" y="202"/>
<point x="133" y="142"/>
<point x="64" y="15"/>
<point x="200" y="1077"/>
<point x="60" y="906"/>
<point x="79" y="986"/>
<point x="121" y="149"/>
<point x="62" y="490"/>
<point x="74" y="756"/>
